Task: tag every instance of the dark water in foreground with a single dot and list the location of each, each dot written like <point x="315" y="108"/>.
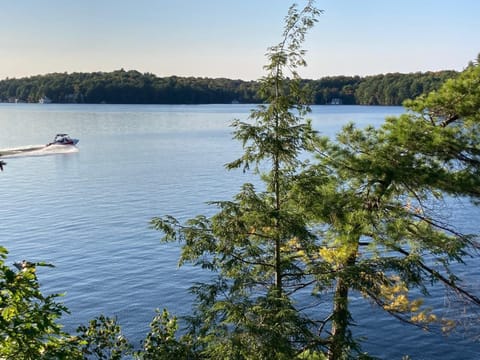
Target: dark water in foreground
<point x="87" y="212"/>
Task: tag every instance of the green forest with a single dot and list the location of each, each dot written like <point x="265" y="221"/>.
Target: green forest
<point x="133" y="87"/>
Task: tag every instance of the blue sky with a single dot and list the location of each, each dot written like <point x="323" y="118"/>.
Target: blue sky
<point x="229" y="38"/>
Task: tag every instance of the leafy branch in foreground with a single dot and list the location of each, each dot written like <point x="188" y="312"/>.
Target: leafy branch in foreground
<point x="29" y="327"/>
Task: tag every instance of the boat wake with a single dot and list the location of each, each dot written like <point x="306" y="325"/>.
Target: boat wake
<point x="37" y="150"/>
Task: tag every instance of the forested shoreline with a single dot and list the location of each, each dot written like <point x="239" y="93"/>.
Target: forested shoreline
<point x="134" y="87"/>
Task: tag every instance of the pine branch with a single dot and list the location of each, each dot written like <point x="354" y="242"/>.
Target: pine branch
<point x="474" y="299"/>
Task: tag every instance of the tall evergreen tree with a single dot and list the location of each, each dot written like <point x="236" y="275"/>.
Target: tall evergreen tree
<point x="248" y="312"/>
<point x="374" y="194"/>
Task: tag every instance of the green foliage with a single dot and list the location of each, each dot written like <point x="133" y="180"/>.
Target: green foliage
<point x="28" y="319"/>
<point x="374" y="194"/>
<point x="161" y="342"/>
<point x="266" y="327"/>
<point x="133" y="87"/>
<point x="103" y="339"/>
<point x="248" y="311"/>
<point x="127" y="87"/>
<point x="29" y="327"/>
<point x="395" y="88"/>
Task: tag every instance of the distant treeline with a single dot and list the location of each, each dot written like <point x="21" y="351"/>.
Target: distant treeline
<point x="133" y="87"/>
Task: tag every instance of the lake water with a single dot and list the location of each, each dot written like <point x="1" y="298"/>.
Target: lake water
<point x="87" y="212"/>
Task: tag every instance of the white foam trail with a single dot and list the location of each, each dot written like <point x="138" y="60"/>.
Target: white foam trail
<point x="37" y="150"/>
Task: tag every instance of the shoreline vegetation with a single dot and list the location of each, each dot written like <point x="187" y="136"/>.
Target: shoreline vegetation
<point x="134" y="87"/>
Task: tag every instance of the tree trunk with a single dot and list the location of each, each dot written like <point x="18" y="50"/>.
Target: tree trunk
<point x="340" y="320"/>
<point x="276" y="185"/>
<point x="341" y="316"/>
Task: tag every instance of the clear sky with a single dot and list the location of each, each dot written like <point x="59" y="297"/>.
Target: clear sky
<point x="229" y="38"/>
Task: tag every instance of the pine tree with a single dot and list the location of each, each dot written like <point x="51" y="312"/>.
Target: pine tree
<point x="248" y="312"/>
<point x="375" y="194"/>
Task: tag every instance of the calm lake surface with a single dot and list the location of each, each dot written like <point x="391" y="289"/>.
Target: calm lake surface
<point x="87" y="212"/>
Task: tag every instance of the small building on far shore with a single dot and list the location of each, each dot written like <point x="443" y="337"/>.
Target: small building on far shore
<point x="44" y="100"/>
<point x="336" y="101"/>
